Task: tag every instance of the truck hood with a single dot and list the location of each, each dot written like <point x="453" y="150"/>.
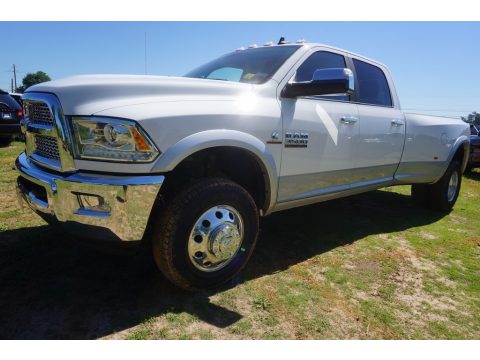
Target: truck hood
<point x="90" y="94"/>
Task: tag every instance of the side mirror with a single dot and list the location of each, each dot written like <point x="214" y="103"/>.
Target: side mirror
<point x="324" y="82"/>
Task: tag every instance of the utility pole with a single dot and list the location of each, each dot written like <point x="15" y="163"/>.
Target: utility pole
<point x="15" y="77"/>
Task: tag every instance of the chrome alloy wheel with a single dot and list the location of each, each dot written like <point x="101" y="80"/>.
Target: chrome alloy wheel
<point x="452" y="186"/>
<point x="216" y="238"/>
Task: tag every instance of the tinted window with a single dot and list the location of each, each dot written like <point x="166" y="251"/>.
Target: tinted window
<point x="321" y="60"/>
<point x="372" y="84"/>
<point x="254" y="66"/>
<point x="9" y="101"/>
<point x="473" y="130"/>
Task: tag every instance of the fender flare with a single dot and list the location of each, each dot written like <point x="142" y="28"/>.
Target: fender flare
<point x="208" y="139"/>
<point x="461" y="141"/>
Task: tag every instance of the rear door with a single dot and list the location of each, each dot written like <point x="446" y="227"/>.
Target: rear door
<point x="379" y="146"/>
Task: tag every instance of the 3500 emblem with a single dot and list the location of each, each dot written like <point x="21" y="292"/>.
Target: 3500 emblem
<point x="296" y="139"/>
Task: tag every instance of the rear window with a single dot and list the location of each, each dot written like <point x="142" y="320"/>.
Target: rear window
<point x="9" y="101"/>
<point x="372" y="84"/>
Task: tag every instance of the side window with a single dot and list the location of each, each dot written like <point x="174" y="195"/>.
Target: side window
<point x="321" y="60"/>
<point x="372" y="84"/>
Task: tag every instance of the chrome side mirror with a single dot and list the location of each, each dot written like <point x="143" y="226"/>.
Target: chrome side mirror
<point x="324" y="82"/>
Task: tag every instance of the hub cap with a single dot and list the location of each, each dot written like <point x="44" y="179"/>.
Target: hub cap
<point x="452" y="186"/>
<point x="216" y="238"/>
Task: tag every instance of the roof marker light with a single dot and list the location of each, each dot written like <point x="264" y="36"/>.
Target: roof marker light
<point x="241" y="48"/>
<point x="300" y="41"/>
<point x="253" y="46"/>
<point x="269" y="43"/>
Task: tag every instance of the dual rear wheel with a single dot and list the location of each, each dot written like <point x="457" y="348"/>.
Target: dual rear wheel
<point x="444" y="193"/>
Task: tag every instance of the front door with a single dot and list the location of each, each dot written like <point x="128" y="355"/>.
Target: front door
<point x="318" y="136"/>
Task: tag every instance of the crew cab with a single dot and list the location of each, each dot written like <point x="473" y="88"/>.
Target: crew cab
<point x="197" y="159"/>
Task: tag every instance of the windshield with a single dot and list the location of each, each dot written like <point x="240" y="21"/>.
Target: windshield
<point x="253" y="66"/>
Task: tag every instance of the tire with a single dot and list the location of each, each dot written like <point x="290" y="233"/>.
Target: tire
<point x="444" y="193"/>
<point x="206" y="218"/>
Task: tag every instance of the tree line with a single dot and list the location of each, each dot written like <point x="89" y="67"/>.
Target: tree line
<point x="31" y="79"/>
<point x="472" y="118"/>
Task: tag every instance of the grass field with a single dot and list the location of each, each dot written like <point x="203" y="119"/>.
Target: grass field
<point x="368" y="267"/>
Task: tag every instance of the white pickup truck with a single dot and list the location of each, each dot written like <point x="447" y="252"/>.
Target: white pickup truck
<point x="197" y="159"/>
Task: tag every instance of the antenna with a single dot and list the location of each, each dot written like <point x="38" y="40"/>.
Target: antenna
<point x="281" y="41"/>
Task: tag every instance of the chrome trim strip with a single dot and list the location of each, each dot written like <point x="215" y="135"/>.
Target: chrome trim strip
<point x="44" y="161"/>
<point x="86" y="212"/>
<point x="40" y="129"/>
<point x="341" y="192"/>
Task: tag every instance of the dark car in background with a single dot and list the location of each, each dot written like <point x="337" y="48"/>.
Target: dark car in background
<point x="10" y="115"/>
<point x="474" y="160"/>
<point x="17" y="97"/>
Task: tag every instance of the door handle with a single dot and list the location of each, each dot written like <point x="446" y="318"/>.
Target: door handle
<point x="396" y="122"/>
<point x="348" y="119"/>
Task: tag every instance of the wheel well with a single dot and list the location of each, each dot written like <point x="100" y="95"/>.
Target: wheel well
<point x="238" y="165"/>
<point x="460" y="155"/>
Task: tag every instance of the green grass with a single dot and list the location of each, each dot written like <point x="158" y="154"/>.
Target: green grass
<point x="368" y="267"/>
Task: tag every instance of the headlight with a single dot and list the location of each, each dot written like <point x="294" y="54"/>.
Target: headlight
<point x="112" y="139"/>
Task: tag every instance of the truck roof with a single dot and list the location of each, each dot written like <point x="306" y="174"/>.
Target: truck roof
<point x="312" y="44"/>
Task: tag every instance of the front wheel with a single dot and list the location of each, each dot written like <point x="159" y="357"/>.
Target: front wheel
<point x="206" y="234"/>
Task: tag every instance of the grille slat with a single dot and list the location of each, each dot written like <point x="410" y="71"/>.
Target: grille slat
<point x="39" y="113"/>
<point x="47" y="147"/>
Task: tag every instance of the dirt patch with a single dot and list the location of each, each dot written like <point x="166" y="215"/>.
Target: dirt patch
<point x="410" y="290"/>
<point x="457" y="219"/>
<point x="427" y="235"/>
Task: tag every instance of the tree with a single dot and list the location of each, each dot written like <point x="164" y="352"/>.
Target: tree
<point x="32" y="79"/>
<point x="472" y="118"/>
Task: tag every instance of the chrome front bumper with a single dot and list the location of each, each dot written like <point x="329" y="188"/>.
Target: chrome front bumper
<point x="92" y="205"/>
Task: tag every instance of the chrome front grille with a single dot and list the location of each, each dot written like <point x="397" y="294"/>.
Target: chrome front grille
<point x="47" y="137"/>
<point x="47" y="147"/>
<point x="39" y="113"/>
